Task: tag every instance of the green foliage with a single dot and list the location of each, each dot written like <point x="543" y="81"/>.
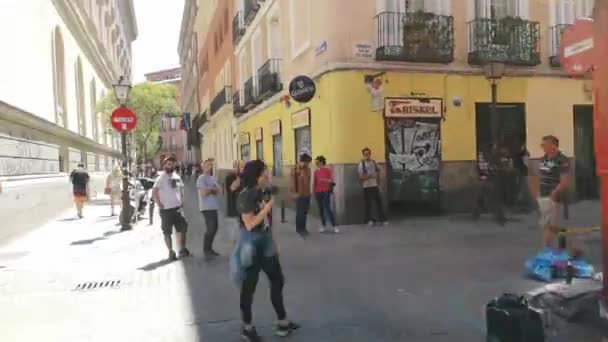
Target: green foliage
<point x="149" y="101"/>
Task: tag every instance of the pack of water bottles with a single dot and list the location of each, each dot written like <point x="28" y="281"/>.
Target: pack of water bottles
<point x="550" y="264"/>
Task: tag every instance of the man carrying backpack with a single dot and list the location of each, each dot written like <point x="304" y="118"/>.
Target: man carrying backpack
<point x="368" y="175"/>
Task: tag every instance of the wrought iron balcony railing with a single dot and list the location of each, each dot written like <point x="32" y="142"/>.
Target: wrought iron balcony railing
<point x="510" y="40"/>
<point x="415" y="37"/>
<point x="238" y="28"/>
<point x="251" y="8"/>
<point x="237" y="107"/>
<point x="269" y="79"/>
<point x="222" y="98"/>
<point x="250" y="95"/>
<point x="556" y="44"/>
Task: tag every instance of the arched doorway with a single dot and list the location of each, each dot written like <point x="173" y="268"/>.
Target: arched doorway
<point x="59" y="84"/>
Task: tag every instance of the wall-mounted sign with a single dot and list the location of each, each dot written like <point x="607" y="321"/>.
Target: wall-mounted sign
<point x="413" y="107"/>
<point x="301" y="118"/>
<point x="302" y="89"/>
<point x="244" y="139"/>
<point x="275" y="127"/>
<point x="321" y="48"/>
<point x="363" y="50"/>
<point x="258" y="134"/>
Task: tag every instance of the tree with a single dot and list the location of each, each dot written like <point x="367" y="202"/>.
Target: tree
<point x="149" y="101"/>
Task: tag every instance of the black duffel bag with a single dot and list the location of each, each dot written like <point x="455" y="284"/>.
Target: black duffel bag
<point x="509" y="318"/>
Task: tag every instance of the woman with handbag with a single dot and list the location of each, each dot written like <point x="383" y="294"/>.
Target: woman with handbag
<point x="113" y="187"/>
<point x="323" y="185"/>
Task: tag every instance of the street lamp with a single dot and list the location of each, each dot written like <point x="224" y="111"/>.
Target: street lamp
<point x="122" y="90"/>
<point x="493" y="72"/>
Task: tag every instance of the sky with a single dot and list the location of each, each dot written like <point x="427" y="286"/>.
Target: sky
<point x="159" y="24"/>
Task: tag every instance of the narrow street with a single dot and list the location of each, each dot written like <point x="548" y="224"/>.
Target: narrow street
<point x="365" y="284"/>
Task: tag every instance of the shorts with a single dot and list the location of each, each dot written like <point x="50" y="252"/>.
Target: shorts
<point x="80" y="196"/>
<point x="549" y="212"/>
<point x="115" y="194"/>
<point x="173" y="217"/>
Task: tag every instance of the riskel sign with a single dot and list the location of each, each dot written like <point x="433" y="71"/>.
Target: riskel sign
<point x="413" y="108"/>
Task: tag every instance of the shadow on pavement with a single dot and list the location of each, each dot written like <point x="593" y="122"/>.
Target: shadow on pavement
<point x="91" y="241"/>
<point x="69" y="219"/>
<point x="154" y="265"/>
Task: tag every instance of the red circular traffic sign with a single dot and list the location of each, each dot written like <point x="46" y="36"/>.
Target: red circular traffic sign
<point x="577" y="52"/>
<point x="123" y="119"/>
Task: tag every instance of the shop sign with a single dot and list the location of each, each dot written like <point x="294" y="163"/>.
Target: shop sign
<point x="413" y="108"/>
<point x="301" y="118"/>
<point x="244" y="139"/>
<point x="302" y="89"/>
<point x="275" y="127"/>
<point x="363" y="50"/>
<point x="258" y="134"/>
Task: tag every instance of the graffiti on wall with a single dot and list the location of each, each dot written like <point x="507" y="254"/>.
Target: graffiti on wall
<point x="24" y="157"/>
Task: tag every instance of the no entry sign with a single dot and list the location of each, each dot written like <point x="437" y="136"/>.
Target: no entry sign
<point x="123" y="119"/>
<point x="577" y="52"/>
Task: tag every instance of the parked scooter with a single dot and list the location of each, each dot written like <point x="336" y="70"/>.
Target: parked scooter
<point x="144" y="197"/>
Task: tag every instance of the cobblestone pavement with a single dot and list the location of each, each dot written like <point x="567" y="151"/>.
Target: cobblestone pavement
<point x="419" y="279"/>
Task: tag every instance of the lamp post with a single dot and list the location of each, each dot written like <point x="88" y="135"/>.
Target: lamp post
<point x="493" y="72"/>
<point x="121" y="90"/>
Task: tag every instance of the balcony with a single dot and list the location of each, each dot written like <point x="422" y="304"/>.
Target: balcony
<point x="222" y="98"/>
<point x="510" y="40"/>
<point x="251" y="8"/>
<point x="415" y="37"/>
<point x="250" y="94"/>
<point x="556" y="44"/>
<point x="237" y="108"/>
<point x="238" y="29"/>
<point x="269" y="78"/>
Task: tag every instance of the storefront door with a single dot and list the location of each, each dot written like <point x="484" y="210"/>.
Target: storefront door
<point x="584" y="154"/>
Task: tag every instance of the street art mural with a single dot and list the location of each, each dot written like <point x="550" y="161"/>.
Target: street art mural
<point x="413" y="150"/>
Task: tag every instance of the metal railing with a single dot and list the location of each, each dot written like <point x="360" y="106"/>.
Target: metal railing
<point x="269" y="79"/>
<point x="510" y="40"/>
<point x="251" y="8"/>
<point x="237" y="108"/>
<point x="238" y="28"/>
<point x="556" y="44"/>
<point x="221" y="98"/>
<point x="250" y="94"/>
<point x="415" y="37"/>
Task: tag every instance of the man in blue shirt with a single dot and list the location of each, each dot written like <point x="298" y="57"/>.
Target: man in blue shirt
<point x="209" y="204"/>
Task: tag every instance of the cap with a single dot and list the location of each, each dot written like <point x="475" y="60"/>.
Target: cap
<point x="169" y="159"/>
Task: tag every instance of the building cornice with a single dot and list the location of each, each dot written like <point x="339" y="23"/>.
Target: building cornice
<point x="70" y="12"/>
<point x="20" y="117"/>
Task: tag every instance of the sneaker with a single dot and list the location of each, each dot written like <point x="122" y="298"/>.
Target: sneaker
<point x="285" y="330"/>
<point x="172" y="256"/>
<point x="336" y="230"/>
<point x="214" y="253"/>
<point x="370" y="223"/>
<point x="322" y="229"/>
<point x="250" y="335"/>
<point x="184" y="253"/>
<point x="385" y="223"/>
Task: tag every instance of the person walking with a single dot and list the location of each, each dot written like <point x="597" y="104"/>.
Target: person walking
<point x="369" y="175"/>
<point x="258" y="250"/>
<point x="80" y="186"/>
<point x="208" y="203"/>
<point x="168" y="194"/>
<point x="233" y="187"/>
<point x="552" y="181"/>
<point x="299" y="188"/>
<point x="113" y="185"/>
<point x="323" y="185"/>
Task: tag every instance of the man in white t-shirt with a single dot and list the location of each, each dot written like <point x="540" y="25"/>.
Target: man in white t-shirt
<point x="168" y="193"/>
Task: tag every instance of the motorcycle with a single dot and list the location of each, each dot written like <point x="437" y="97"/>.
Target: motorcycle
<point x="145" y="198"/>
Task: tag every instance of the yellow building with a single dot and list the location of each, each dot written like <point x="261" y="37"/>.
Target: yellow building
<point x="406" y="79"/>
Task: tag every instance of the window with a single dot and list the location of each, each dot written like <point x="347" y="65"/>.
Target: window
<point x="432" y="6"/>
<point x="565" y="12"/>
<point x="300" y="28"/>
<point x="274" y="34"/>
<point x="173" y="124"/>
<point x="172" y="142"/>
<point x="80" y="107"/>
<point x="245" y="152"/>
<point x="59" y="85"/>
<point x="277" y="155"/>
<point x="256" y="56"/>
<point x="94" y="119"/>
<point x="496" y="9"/>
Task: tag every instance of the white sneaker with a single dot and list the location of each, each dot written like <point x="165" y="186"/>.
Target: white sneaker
<point x="385" y="223"/>
<point x="370" y="223"/>
<point x="322" y="229"/>
<point x="336" y="230"/>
